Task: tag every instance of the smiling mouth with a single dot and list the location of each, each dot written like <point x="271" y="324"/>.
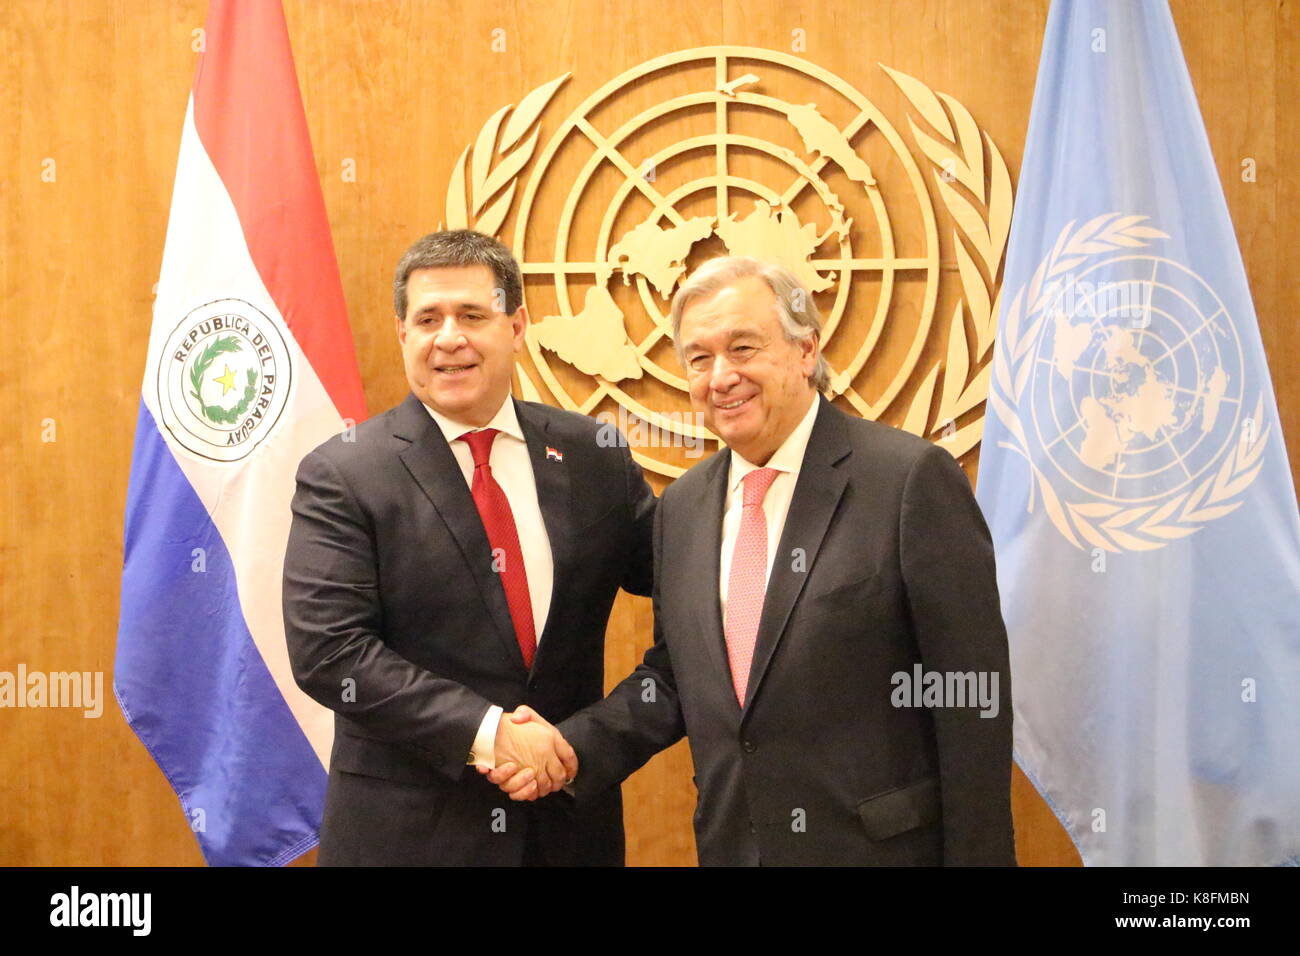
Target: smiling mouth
<point x="731" y="405"/>
<point x="452" y="369"/>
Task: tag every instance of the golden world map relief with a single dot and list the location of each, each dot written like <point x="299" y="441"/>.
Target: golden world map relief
<point x="744" y="151"/>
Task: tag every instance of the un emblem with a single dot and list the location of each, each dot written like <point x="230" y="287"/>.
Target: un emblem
<point x="744" y="151"/>
<point x="1120" y="373"/>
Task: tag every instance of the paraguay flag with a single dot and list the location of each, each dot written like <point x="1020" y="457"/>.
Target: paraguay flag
<point x="250" y="366"/>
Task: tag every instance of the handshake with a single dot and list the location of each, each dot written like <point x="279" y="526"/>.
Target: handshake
<point x="532" y="758"/>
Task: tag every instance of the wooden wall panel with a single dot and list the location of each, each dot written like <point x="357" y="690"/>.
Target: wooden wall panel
<point x="398" y="89"/>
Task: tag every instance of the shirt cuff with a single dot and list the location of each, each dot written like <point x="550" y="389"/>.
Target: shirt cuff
<point x="484" y="751"/>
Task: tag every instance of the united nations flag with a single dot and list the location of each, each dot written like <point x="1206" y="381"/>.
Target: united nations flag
<point x="1134" y="474"/>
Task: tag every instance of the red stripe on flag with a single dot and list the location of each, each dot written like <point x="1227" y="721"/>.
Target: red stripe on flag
<point x="249" y="116"/>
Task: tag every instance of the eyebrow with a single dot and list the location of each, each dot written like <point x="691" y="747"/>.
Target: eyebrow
<point x="732" y="336"/>
<point x="460" y="307"/>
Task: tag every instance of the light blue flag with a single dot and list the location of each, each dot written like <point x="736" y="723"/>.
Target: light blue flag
<point x="1134" y="473"/>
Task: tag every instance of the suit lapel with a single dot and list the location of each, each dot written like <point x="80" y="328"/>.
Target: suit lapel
<point x="816" y="495"/>
<point x="430" y="461"/>
<point x="555" y="499"/>
<point x="702" y="551"/>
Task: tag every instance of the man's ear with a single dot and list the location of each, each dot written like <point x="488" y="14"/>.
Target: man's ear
<point x="519" y="326"/>
<point x="401" y="330"/>
<point x="809" y="348"/>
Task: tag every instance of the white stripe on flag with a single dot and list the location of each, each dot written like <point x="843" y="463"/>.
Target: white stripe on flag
<point x="206" y="258"/>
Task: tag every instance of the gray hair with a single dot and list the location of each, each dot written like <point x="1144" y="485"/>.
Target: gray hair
<point x="795" y="309"/>
<point x="460" y="247"/>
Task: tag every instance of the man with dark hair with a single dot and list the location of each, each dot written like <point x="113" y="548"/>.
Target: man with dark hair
<point x="456" y="558"/>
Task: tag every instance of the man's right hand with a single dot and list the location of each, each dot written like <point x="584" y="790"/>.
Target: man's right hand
<point x="532" y="758"/>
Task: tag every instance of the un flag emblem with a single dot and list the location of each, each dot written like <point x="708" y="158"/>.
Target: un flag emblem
<point x="1128" y="376"/>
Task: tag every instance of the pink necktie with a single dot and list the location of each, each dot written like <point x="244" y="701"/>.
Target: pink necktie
<point x="747" y="581"/>
<point x="499" y="523"/>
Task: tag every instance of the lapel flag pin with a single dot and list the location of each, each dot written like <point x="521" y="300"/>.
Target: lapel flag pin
<point x="553" y="454"/>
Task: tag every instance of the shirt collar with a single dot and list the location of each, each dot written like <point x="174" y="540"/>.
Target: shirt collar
<point x="787" y="458"/>
<point x="504" y="421"/>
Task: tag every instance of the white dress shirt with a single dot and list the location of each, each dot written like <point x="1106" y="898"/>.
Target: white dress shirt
<point x="513" y="471"/>
<point x="788" y="460"/>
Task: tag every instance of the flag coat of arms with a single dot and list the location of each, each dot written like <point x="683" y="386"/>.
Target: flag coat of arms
<point x="250" y="365"/>
<point x="1134" y="475"/>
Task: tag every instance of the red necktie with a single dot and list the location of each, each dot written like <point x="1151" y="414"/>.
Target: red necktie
<point x="747" y="580"/>
<point x="499" y="523"/>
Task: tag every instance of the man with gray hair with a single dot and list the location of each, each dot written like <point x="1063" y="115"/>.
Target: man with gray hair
<point x="798" y="574"/>
<point x="454" y="559"/>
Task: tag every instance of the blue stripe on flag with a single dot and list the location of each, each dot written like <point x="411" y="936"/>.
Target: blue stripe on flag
<point x="193" y="684"/>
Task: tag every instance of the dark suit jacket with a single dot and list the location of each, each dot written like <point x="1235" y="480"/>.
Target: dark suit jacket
<point x="397" y="622"/>
<point x="885" y="562"/>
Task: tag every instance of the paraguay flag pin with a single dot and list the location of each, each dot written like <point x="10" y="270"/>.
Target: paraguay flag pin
<point x="553" y="454"/>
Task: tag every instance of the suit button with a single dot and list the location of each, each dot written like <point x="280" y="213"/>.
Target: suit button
<point x="749" y="746"/>
<point x="752" y="828"/>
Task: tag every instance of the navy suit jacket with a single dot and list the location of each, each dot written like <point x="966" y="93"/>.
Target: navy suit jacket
<point x="397" y="621"/>
<point x="885" y="562"/>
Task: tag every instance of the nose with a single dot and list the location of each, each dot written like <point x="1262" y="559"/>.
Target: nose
<point x="449" y="336"/>
<point x="722" y="374"/>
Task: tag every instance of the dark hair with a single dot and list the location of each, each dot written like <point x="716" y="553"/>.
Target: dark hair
<point x="460" y="247"/>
